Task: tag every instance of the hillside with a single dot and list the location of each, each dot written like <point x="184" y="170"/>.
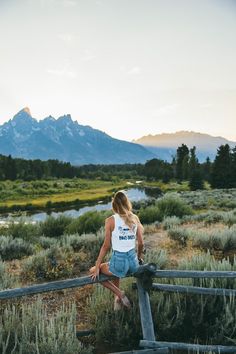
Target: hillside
<point x="164" y="145"/>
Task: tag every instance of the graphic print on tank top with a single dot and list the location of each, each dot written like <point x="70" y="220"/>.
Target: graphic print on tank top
<point x="123" y="237"/>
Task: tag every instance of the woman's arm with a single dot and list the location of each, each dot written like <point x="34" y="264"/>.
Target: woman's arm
<point x="105" y="247"/>
<point x="140" y="238"/>
<point x="107" y="242"/>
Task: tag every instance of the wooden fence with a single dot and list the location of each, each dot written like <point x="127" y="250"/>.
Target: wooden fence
<point x="144" y="283"/>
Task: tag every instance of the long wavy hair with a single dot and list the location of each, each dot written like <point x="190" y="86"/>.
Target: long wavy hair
<point x="122" y="206"/>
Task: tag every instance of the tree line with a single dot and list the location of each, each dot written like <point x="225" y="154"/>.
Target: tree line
<point x="220" y="173"/>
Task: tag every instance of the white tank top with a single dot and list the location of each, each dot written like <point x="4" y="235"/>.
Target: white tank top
<point x="123" y="238"/>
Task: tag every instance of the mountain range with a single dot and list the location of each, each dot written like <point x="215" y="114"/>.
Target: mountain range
<point x="164" y="145"/>
<point x="66" y="140"/>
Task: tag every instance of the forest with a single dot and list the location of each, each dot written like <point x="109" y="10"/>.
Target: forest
<point x="220" y="173"/>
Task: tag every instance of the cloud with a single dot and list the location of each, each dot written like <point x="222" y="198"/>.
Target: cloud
<point x="65" y="71"/>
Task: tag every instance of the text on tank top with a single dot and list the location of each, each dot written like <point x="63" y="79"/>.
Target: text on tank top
<point x="123" y="238"/>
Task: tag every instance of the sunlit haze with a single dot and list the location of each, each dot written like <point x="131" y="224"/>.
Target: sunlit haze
<point x="127" y="67"/>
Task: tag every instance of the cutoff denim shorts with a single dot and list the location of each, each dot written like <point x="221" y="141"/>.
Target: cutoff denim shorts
<point x="123" y="263"/>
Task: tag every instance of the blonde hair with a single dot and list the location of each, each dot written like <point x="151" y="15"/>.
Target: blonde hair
<point x="122" y="206"/>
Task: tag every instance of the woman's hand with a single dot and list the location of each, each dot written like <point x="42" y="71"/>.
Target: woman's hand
<point x="95" y="272"/>
<point x="140" y="261"/>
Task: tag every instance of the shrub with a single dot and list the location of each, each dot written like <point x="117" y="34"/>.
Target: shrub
<point x="213" y="218"/>
<point x="89" y="222"/>
<point x="229" y="218"/>
<point x="54" y="227"/>
<point x="223" y="240"/>
<point x="31" y="330"/>
<point x="149" y="214"/>
<point x="7" y="280"/>
<point x="158" y="257"/>
<point x="173" y="206"/>
<point x="179" y="234"/>
<point x="177" y="317"/>
<point x="21" y="229"/>
<point x="151" y="228"/>
<point x="46" y="242"/>
<point x="53" y="263"/>
<point x="120" y="329"/>
<point x="170" y="221"/>
<point x="14" y="248"/>
<point x="88" y="243"/>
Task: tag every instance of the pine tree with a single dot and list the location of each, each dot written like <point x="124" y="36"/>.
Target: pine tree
<point x="182" y="162"/>
<point x="10" y="168"/>
<point x="195" y="175"/>
<point x="233" y="167"/>
<point x="206" y="169"/>
<point x="173" y="164"/>
<point x="222" y="166"/>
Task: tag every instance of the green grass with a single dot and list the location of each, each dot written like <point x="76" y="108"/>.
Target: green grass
<point x="41" y="194"/>
<point x="170" y="186"/>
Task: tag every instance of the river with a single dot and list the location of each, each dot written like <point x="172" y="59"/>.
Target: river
<point x="134" y="194"/>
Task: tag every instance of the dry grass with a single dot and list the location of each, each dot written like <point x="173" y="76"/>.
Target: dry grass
<point x="155" y="237"/>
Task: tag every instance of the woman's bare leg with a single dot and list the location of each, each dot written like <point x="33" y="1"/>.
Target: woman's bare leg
<point x="113" y="284"/>
<point x="105" y="270"/>
<point x="116" y="282"/>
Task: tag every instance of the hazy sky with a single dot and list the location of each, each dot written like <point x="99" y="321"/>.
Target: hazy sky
<point x="127" y="67"/>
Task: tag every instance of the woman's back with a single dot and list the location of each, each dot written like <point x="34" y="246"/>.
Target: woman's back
<point x="123" y="237"/>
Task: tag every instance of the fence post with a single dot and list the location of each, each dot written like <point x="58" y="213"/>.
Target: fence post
<point x="144" y="282"/>
<point x="145" y="313"/>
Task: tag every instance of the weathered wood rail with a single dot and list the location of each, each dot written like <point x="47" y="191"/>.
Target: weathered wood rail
<point x="144" y="284"/>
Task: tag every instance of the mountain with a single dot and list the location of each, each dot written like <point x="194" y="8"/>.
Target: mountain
<point x="165" y="145"/>
<point x="65" y="140"/>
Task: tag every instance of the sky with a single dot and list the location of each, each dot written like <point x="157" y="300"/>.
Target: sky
<point x="127" y="67"/>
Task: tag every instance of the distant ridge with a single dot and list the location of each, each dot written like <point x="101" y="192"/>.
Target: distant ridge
<point x="65" y="140"/>
<point x="164" y="145"/>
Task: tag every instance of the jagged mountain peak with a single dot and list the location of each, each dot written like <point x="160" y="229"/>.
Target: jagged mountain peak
<point x="65" y="140"/>
<point x="24" y="111"/>
<point x="23" y="114"/>
<point x="27" y="110"/>
<point x="65" y="118"/>
<point x="49" y="118"/>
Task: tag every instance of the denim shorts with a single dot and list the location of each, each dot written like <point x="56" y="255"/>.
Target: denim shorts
<point x="123" y="263"/>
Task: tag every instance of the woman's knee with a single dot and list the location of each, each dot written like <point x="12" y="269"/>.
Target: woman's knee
<point x="92" y="269"/>
<point x="103" y="268"/>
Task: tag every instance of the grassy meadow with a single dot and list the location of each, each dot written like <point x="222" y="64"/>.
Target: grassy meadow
<point x="41" y="194"/>
<point x="183" y="230"/>
<point x="60" y="193"/>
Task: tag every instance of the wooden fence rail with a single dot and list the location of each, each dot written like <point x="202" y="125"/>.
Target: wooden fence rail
<point x="144" y="284"/>
<point x="193" y="290"/>
<point x="188" y="347"/>
<point x="51" y="286"/>
<point x="193" y="274"/>
<point x="146" y="351"/>
<point x="148" y="343"/>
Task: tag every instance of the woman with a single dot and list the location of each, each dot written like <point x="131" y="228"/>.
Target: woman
<point x="121" y="232"/>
